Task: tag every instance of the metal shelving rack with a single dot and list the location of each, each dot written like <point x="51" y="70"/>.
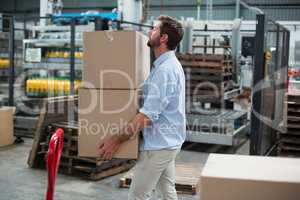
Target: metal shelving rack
<point x="269" y="83"/>
<point x="202" y="125"/>
<point x="10" y="51"/>
<point x="65" y="38"/>
<point x="61" y="38"/>
<point x="222" y="127"/>
<point x="39" y="41"/>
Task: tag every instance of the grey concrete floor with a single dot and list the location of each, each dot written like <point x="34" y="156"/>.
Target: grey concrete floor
<point x="19" y="182"/>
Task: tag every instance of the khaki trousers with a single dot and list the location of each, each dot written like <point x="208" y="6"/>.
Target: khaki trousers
<point x="154" y="169"/>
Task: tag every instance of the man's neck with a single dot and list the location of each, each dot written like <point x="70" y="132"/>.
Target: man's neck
<point x="159" y="51"/>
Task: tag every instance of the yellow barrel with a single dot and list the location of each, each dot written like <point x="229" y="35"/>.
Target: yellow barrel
<point x="38" y="86"/>
<point x="44" y="87"/>
<point x="61" y="54"/>
<point x="56" y="87"/>
<point x="76" y="85"/>
<point x="28" y="85"/>
<point x="66" y="87"/>
<point x="51" y="86"/>
<point x="51" y="54"/>
<point x="56" y="54"/>
<point x="4" y="63"/>
<point x="80" y="55"/>
<point x="33" y="86"/>
<point x="60" y="87"/>
<point x="66" y="54"/>
<point x="77" y="55"/>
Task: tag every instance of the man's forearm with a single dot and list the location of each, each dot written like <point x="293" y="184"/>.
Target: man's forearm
<point x="139" y="122"/>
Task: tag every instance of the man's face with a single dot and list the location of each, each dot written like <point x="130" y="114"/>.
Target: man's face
<point x="154" y="37"/>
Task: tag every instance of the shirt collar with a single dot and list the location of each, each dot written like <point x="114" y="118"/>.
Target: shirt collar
<point x="163" y="57"/>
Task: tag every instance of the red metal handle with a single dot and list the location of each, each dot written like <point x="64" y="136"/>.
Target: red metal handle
<point x="53" y="159"/>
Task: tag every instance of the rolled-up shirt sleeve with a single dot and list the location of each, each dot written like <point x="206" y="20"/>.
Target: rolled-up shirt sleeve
<point x="157" y="97"/>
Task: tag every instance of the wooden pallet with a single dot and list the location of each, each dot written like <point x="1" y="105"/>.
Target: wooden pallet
<point x="54" y="109"/>
<point x="72" y="164"/>
<point x="187" y="179"/>
<point x="114" y="170"/>
<point x="208" y="77"/>
<point x="204" y="57"/>
<point x="292" y="131"/>
<point x="96" y="172"/>
<point x="27" y="133"/>
<point x="205" y="64"/>
<point x="294" y="99"/>
<point x="288" y="150"/>
<point x="289" y="141"/>
<point x="208" y="63"/>
<point x="206" y="68"/>
<point x="283" y="153"/>
<point x="211" y="86"/>
<point x="212" y="77"/>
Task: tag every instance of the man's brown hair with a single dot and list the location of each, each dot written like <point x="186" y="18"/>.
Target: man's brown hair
<point x="173" y="29"/>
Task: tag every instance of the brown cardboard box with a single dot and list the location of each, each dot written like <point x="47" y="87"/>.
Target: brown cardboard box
<point x="236" y="177"/>
<point x="103" y="112"/>
<point x="7" y="126"/>
<point x="115" y="59"/>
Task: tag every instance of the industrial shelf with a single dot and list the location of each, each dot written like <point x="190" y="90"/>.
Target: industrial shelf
<point x="53" y="42"/>
<point x="217" y="126"/>
<point x="51" y="66"/>
<point x="216" y="138"/>
<point x="79" y="28"/>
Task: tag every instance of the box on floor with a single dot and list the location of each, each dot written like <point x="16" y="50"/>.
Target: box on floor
<point x="229" y="177"/>
<point x="7" y="126"/>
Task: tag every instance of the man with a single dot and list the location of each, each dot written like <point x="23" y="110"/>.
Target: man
<point x="162" y="117"/>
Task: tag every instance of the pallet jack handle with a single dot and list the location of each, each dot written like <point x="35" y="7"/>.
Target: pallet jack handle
<point x="53" y="159"/>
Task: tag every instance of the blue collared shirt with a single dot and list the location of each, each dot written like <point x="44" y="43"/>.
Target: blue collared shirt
<point x="164" y="104"/>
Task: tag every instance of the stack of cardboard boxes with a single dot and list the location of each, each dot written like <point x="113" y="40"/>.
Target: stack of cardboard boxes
<point x="116" y="63"/>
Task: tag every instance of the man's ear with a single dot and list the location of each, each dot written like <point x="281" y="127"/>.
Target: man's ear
<point x="164" y="38"/>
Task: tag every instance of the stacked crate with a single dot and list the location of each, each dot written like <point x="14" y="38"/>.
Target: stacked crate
<point x="208" y="77"/>
<point x="289" y="141"/>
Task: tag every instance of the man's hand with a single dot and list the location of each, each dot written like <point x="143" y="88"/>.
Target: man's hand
<point x="109" y="146"/>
